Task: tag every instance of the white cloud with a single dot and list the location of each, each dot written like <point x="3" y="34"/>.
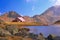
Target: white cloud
<point x="33" y="8"/>
<point x="55" y="2"/>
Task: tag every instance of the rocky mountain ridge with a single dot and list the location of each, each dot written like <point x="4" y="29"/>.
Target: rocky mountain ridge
<point x="50" y="16"/>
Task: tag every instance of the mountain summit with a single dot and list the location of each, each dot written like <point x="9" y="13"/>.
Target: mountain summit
<point x="11" y="14"/>
<point x="50" y="16"/>
<point x="55" y="11"/>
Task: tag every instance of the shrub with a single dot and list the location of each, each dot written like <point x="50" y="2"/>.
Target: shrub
<point x="12" y="29"/>
<point x="4" y="32"/>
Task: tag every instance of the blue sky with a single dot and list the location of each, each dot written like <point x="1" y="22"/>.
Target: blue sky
<point x="25" y="7"/>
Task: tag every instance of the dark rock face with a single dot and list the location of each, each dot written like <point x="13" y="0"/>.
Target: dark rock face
<point x="51" y="37"/>
<point x="41" y="37"/>
<point x="33" y="36"/>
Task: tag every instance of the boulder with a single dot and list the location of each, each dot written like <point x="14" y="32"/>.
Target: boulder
<point x="51" y="37"/>
<point x="41" y="37"/>
<point x="23" y="32"/>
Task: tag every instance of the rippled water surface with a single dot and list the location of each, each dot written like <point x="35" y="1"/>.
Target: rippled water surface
<point x="45" y="30"/>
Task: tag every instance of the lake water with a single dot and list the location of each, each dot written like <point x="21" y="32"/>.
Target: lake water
<point x="45" y="30"/>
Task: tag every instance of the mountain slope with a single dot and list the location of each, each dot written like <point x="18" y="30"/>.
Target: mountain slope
<point x="9" y="16"/>
<point x="51" y="15"/>
<point x="29" y="19"/>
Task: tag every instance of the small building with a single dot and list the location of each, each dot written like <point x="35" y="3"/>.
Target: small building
<point x="19" y="19"/>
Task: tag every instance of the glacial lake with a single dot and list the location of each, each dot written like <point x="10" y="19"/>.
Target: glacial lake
<point x="45" y="30"/>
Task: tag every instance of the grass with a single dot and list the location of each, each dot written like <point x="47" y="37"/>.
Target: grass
<point x="24" y="23"/>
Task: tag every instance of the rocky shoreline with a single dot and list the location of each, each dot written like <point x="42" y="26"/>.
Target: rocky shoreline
<point x="12" y="32"/>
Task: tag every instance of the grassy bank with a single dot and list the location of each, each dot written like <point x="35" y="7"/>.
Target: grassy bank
<point x="24" y="23"/>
